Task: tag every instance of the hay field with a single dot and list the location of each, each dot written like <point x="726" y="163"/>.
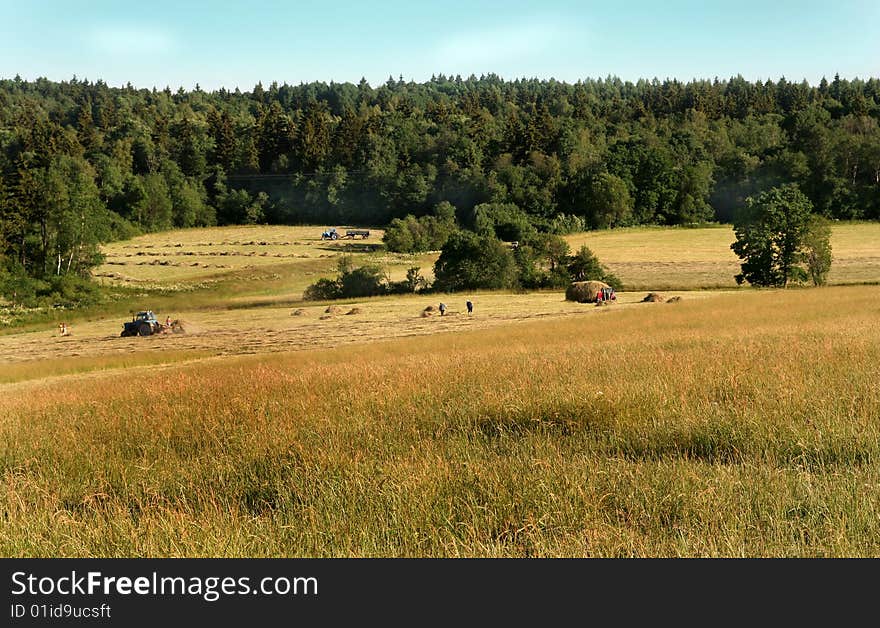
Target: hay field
<point x="161" y="259"/>
<point x="745" y="424"/>
<point x="735" y="422"/>
<point x="664" y="258"/>
<point x="96" y="345"/>
<point x="278" y="263"/>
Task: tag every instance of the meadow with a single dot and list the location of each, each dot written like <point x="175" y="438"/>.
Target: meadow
<point x="279" y="262"/>
<point x="734" y="422"/>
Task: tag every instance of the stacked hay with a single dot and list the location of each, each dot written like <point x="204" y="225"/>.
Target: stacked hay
<point x="325" y="317"/>
<point x="673" y="300"/>
<point x="653" y="297"/>
<point x="332" y="309"/>
<point x="354" y="310"/>
<point x="298" y="312"/>
<point x="584" y="291"/>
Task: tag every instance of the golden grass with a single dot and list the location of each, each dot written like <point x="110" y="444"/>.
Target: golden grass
<point x="243" y="327"/>
<point x="740" y="425"/>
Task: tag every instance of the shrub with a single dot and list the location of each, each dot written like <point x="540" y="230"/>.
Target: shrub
<point x="564" y="224"/>
<point x="469" y="262"/>
<point x="350" y="282"/>
<point x="417" y="235"/>
<point x="323" y="290"/>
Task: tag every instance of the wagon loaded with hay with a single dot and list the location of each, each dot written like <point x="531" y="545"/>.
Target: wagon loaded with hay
<point x="585" y="291"/>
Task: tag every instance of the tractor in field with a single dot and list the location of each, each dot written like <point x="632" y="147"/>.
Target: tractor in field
<point x="146" y="324"/>
<point x="332" y="234"/>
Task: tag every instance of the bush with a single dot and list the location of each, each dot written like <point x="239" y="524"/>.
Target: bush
<point x="350" y="282"/>
<point x="541" y="260"/>
<point x="816" y="249"/>
<point x="418" y="235"/>
<point x="365" y="281"/>
<point x="469" y="262"/>
<point x="564" y="224"/>
<point x="67" y="290"/>
<point x="323" y="290"/>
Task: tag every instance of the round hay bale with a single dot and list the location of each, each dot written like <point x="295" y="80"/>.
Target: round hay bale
<point x="584" y="291"/>
<point x="427" y="314"/>
<point x="332" y="309"/>
<point x="673" y="299"/>
<point x="430" y="308"/>
<point x="653" y="297"/>
<point x="354" y="310"/>
<point x="298" y="312"/>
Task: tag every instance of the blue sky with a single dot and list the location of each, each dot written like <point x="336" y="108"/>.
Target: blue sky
<point x="236" y="44"/>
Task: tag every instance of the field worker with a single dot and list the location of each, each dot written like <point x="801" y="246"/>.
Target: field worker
<point x="167" y="321"/>
<point x="442" y="309"/>
<point x="470" y="307"/>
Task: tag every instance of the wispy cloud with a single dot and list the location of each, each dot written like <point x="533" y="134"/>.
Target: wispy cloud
<point x="512" y="42"/>
<point x="129" y="40"/>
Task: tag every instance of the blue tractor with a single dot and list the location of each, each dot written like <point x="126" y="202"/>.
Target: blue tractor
<point x="142" y="324"/>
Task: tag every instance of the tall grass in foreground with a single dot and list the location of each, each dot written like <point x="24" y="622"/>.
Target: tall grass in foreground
<point x="745" y="425"/>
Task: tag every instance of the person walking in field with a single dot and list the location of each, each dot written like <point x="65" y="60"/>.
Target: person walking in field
<point x="470" y="307"/>
<point x="442" y="309"/>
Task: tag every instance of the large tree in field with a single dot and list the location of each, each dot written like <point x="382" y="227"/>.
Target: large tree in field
<point x="771" y="231"/>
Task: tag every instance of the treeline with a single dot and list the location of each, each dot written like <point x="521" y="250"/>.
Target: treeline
<point x="81" y="162"/>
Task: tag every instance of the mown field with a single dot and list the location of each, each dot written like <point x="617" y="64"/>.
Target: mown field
<point x="660" y="258"/>
<point x="644" y="258"/>
<point x="741" y="425"/>
<point x="735" y="422"/>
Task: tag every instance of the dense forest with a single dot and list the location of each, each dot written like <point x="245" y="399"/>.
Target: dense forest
<point x="82" y="162"/>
